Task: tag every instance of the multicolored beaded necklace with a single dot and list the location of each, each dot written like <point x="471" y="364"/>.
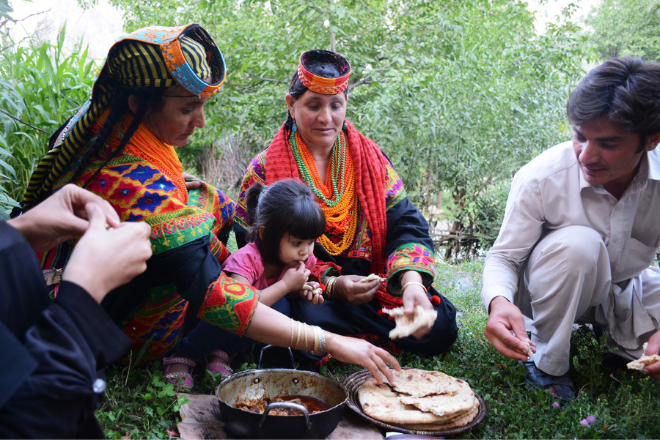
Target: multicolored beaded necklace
<point x="337" y="200"/>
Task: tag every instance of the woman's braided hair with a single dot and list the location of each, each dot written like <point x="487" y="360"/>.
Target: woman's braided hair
<point x="149" y="98"/>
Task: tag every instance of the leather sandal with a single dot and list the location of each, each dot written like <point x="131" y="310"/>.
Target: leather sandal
<point x="180" y="379"/>
<point x="539" y="380"/>
<point x="222" y="366"/>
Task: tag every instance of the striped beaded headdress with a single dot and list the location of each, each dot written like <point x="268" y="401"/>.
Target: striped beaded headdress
<point x="156" y="56"/>
<point x="320" y="84"/>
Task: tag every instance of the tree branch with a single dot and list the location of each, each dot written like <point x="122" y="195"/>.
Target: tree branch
<point x="23" y="122"/>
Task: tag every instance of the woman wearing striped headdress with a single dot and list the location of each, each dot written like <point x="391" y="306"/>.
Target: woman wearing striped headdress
<point x="148" y="99"/>
<point x="372" y="227"/>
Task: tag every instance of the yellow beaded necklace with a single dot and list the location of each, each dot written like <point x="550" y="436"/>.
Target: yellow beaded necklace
<point x="339" y="200"/>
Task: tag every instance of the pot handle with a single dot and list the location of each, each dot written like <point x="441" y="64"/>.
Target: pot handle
<point x="287" y="405"/>
<point x="261" y="354"/>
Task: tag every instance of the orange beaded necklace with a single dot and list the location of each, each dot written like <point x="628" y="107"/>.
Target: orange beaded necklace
<point x="338" y="199"/>
<point x="145" y="145"/>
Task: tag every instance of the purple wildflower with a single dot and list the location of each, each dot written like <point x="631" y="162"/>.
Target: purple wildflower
<point x="591" y="420"/>
<point x="555" y="405"/>
<point x="584" y="422"/>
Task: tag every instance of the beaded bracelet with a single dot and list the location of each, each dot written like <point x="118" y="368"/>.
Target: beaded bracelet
<point x="412" y="282"/>
<point x="317" y="339"/>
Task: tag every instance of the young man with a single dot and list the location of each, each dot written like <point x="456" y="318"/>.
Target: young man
<point x="581" y="228"/>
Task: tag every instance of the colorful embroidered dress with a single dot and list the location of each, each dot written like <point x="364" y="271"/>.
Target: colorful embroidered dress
<point x="139" y="191"/>
<point x="143" y="182"/>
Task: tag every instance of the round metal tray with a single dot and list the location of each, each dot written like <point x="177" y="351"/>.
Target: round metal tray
<point x="355" y="381"/>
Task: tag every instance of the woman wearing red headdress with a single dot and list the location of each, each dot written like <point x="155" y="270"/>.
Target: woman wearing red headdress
<point x="372" y="227"/>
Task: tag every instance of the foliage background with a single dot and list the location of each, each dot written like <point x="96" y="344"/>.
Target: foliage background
<point x="458" y="94"/>
<point x="41" y="86"/>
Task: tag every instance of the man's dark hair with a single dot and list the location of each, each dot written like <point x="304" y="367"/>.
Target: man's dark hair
<point x="287" y="206"/>
<point x="626" y="90"/>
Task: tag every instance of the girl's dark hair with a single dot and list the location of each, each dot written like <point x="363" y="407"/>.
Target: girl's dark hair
<point x="326" y="69"/>
<point x="285" y="207"/>
<point x="149" y="97"/>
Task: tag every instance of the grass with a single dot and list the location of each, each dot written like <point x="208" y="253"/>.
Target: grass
<point x="624" y="404"/>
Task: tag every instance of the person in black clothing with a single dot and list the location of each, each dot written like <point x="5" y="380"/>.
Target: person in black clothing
<point x="54" y="352"/>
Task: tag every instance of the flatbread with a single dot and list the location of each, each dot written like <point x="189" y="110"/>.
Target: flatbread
<point x="443" y="405"/>
<point x="406" y="325"/>
<point x="372" y="277"/>
<point x="317" y="291"/>
<point x="421" y="383"/>
<point x="456" y="422"/>
<point x="643" y="361"/>
<point x="382" y="403"/>
<point x="529" y="349"/>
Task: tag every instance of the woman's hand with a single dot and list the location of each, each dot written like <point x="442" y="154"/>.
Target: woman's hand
<point x="415" y="295"/>
<point x="61" y="217"/>
<point x="349" y="288"/>
<point x="360" y="352"/>
<point x="192" y="182"/>
<point x="104" y="259"/>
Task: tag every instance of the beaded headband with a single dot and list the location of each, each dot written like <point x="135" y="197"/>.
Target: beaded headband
<point x="320" y="84"/>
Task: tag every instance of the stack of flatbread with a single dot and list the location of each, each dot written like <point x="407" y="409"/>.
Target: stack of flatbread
<point x="643" y="361"/>
<point x="420" y="400"/>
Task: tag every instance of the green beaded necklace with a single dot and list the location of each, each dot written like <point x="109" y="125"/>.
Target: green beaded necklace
<point x="338" y="164"/>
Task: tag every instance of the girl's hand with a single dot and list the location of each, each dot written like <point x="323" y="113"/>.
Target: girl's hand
<point x="360" y="352"/>
<point x="348" y="288"/>
<point x="309" y="295"/>
<point x="295" y="278"/>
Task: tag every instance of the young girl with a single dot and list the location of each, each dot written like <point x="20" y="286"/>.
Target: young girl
<point x="286" y="221"/>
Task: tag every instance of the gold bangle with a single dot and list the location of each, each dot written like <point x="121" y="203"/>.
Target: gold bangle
<point x="305" y="326"/>
<point x="298" y="338"/>
<point x="291" y="342"/>
<point x="330" y="287"/>
<point x="412" y="282"/>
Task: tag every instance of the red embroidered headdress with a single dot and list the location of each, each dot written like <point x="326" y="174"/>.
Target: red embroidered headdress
<point x="320" y="84"/>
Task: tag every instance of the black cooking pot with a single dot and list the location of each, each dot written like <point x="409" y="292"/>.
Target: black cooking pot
<point x="254" y="384"/>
